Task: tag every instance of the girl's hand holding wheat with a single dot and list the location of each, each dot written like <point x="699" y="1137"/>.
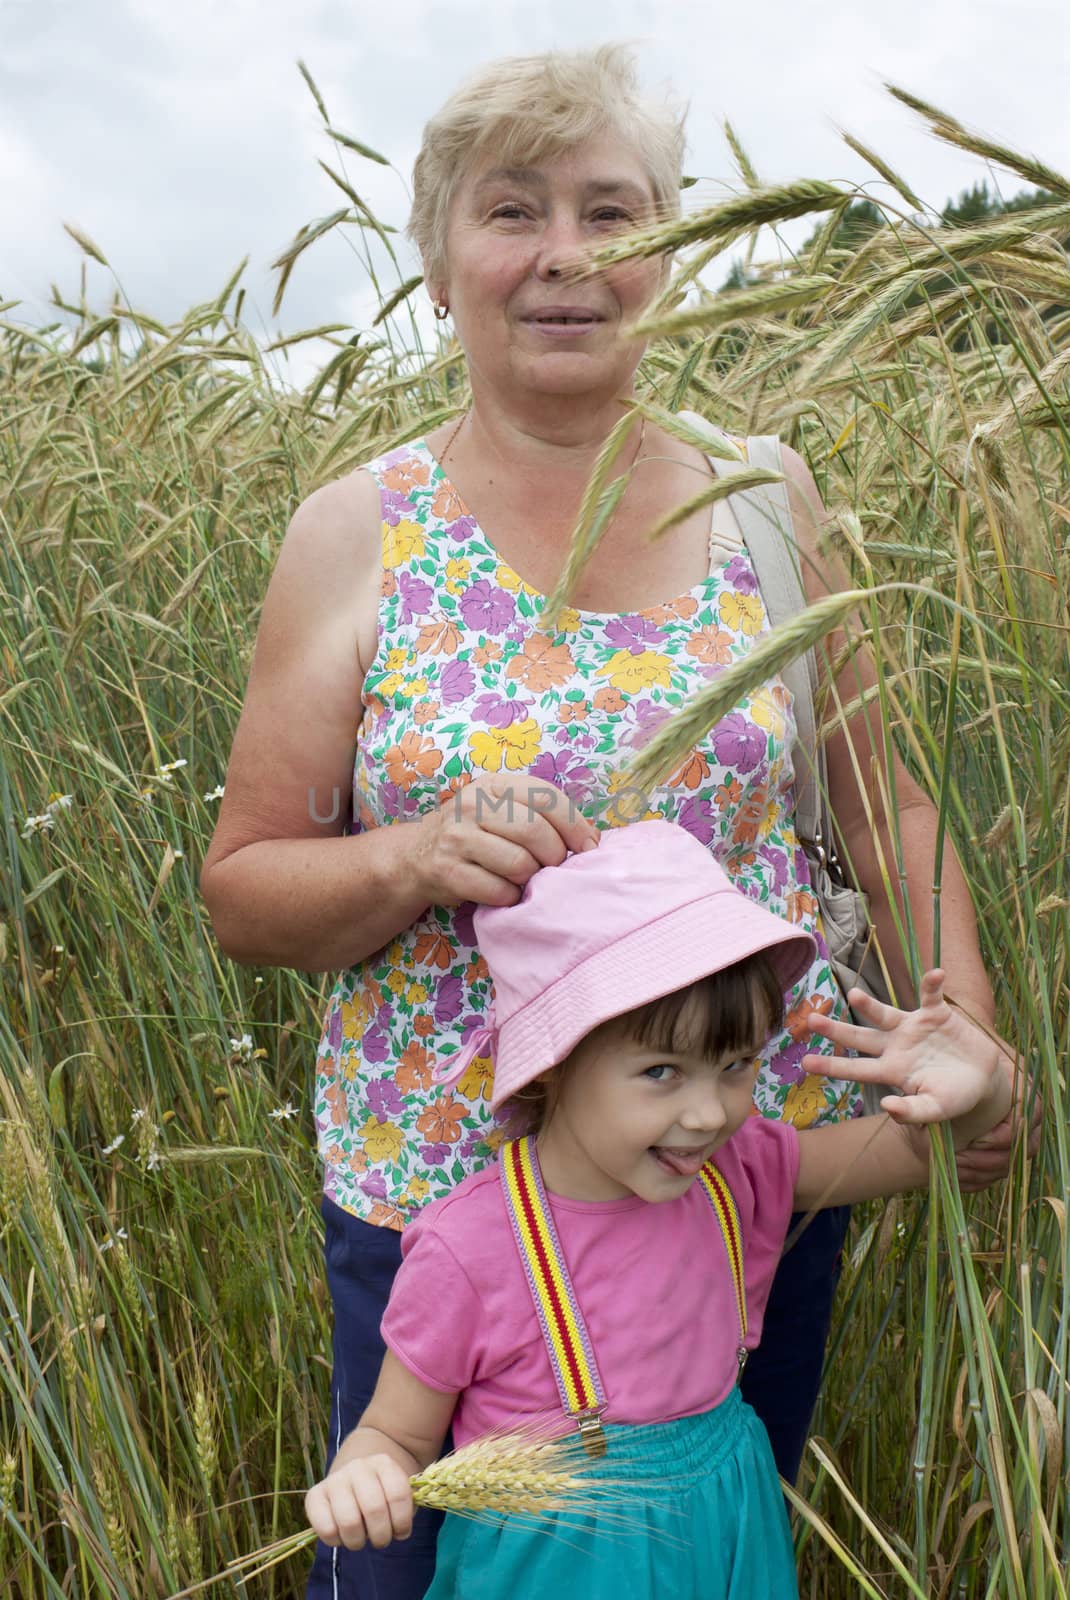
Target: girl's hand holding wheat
<point x="364" y="1501"/>
<point x="945" y="1068"/>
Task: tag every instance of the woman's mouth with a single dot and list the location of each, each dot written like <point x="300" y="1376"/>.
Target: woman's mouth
<point x="558" y="321"/>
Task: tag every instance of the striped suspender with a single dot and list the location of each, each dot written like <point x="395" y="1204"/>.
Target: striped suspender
<point x="567" y="1343"/>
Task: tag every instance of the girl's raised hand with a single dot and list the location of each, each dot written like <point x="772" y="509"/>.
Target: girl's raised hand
<point x="945" y="1068"/>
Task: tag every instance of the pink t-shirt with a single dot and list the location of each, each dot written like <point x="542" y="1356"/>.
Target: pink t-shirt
<point x="652" y="1282"/>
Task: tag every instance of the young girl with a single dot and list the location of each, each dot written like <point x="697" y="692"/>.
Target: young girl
<point x="615" y="1265"/>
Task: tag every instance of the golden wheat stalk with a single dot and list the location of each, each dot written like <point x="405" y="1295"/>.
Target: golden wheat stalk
<point x="525" y="1473"/>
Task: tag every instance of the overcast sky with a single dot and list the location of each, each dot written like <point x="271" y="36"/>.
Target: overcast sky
<point x="180" y="136"/>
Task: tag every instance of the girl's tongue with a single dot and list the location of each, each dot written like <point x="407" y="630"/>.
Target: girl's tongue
<point x="682" y="1163"/>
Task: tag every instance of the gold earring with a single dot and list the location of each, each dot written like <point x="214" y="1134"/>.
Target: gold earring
<point x="441" y="310"/>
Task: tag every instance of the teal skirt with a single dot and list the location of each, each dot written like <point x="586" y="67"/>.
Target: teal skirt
<point x="697" y="1514"/>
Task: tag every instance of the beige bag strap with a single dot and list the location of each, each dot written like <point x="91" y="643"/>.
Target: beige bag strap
<point x="765" y="521"/>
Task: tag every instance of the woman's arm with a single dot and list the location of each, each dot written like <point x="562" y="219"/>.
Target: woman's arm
<point x="283" y="886"/>
<point x="856" y="778"/>
<point x="945" y="1068"/>
<point x="367" y="1496"/>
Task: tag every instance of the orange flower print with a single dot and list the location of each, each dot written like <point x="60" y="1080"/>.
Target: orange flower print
<point x="441" y="1122"/>
<point x="335" y="1097"/>
<point x="800" y="904"/>
<point x="424" y="1026"/>
<point x="410" y="759"/>
<point x="609" y="699"/>
<point x="542" y="665"/>
<point x="414" y="1068"/>
<point x="710" y="645"/>
<point x="434" y="949"/>
<point x="477" y="968"/>
<point x="684" y="607"/>
<point x="726" y="795"/>
<point x="388" y="586"/>
<point x="454" y="786"/>
<point x="439" y="638"/>
<point x="406" y="474"/>
<point x="426" y="711"/>
<point x="796" y="1021"/>
<point x="749" y="817"/>
<point x="357" y="1162"/>
<point x="486" y="652"/>
<point x="695" y="770"/>
<point x="573" y="711"/>
<point x="383" y="1215"/>
<point x="447" y="503"/>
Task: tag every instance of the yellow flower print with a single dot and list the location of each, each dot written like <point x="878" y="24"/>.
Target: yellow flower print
<point x="402" y="544"/>
<point x="415" y="994"/>
<point x="391" y="684"/>
<point x="411" y="687"/>
<point x="396" y="982"/>
<point x="457" y="570"/>
<point x="395" y="659"/>
<point x="394" y="953"/>
<point x="475" y="1085"/>
<point x="803" y="1103"/>
<point x="506" y="578"/>
<point x="630" y="673"/>
<point x="767" y="714"/>
<point x="354" y="1016"/>
<point x="494" y="1139"/>
<point x="517" y="746"/>
<point x="382" y="1140"/>
<point x="569" y="620"/>
<point x="417" y="1189"/>
<point x="743" y="612"/>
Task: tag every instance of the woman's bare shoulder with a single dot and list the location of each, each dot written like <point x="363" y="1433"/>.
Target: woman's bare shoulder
<point x="333" y="545"/>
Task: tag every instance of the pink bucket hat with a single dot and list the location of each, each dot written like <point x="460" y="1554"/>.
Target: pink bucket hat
<point x="646" y="912"/>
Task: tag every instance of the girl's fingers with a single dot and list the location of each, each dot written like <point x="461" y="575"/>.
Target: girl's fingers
<point x="847" y="1035"/>
<point x="876" y="1013"/>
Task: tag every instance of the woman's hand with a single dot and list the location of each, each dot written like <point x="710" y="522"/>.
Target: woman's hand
<point x="945" y="1067"/>
<point x="988" y="1159"/>
<point x="366" y="1501"/>
<point x="486" y="840"/>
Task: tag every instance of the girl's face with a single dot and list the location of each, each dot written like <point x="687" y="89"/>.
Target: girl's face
<point x="630" y="1120"/>
<point x="524" y="327"/>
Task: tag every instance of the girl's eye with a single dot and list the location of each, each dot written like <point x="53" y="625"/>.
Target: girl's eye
<point x="742" y="1064"/>
<point x="655" y="1073"/>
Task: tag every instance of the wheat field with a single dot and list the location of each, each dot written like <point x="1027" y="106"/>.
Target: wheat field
<point x="164" y="1344"/>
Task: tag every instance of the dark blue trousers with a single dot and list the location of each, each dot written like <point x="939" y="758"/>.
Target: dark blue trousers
<point x="781" y="1380"/>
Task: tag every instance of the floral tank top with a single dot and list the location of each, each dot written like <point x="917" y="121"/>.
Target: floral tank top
<point x="462" y="681"/>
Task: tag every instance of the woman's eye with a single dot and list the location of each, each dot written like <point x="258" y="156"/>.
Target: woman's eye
<point x="612" y="215"/>
<point x="508" y="212"/>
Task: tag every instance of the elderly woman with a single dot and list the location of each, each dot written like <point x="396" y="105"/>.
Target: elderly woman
<point x="400" y="658"/>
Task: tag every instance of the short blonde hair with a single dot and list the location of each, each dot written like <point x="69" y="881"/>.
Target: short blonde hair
<point x="531" y="108"/>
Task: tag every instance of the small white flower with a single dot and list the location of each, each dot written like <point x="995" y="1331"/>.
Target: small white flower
<point x="214" y="794"/>
<point x="138" y="1115"/>
<point x="59" y="802"/>
<point x="243" y="1047"/>
<point x="120" y="1233"/>
<point x="283" y="1113"/>
<point x="152" y="1161"/>
<point x="42" y="824"/>
<point x="258" y="979"/>
<point x="179" y="855"/>
<point x="172" y="766"/>
<point x="110" y="1149"/>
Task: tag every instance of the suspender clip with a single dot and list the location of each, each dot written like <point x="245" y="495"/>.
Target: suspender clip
<point x="741" y="1361"/>
<point x="592" y="1433"/>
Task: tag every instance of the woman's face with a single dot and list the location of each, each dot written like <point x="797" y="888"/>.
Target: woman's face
<point x="524" y="326"/>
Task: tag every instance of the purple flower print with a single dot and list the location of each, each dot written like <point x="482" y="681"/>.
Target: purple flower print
<point x="648" y="718"/>
<point x="384" y="1098"/>
<point x="456" y="683"/>
<point x="740" y="574"/>
<point x="334" y="1030"/>
<point x="486" y="607"/>
<point x="375" y="1046"/>
<point x="469" y="1025"/>
<point x="416" y="596"/>
<point x="566" y="770"/>
<point x="464" y="927"/>
<point x="395" y="507"/>
<point x="785" y="1066"/>
<point x="472" y="1144"/>
<point x="697" y="817"/>
<point x="518" y="633"/>
<point x="435" y="1155"/>
<point x="391" y="798"/>
<point x="498" y="712"/>
<point x="778" y="861"/>
<point x="460" y="530"/>
<point x="634" y="634"/>
<point x="374" y="1184"/>
<point x="739" y="743"/>
<point x="447" y="1000"/>
<point x="384" y="1016"/>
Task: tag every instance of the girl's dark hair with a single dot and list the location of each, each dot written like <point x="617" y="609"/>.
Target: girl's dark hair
<point x="728" y="1013"/>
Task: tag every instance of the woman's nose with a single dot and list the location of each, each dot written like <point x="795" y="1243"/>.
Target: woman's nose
<point x="560" y="248"/>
